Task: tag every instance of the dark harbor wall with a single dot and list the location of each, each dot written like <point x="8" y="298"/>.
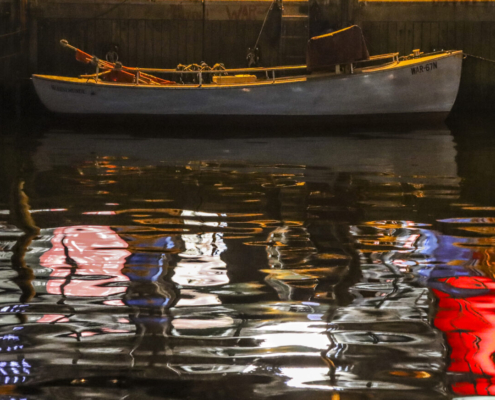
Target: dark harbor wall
<point x="165" y="33"/>
<point x="13" y="35"/>
<point x="13" y="53"/>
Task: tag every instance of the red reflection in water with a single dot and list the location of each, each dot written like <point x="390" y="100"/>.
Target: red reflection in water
<point x="93" y="251"/>
<point x="469" y="326"/>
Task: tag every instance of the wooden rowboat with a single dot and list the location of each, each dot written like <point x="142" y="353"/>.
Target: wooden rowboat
<point x="417" y="84"/>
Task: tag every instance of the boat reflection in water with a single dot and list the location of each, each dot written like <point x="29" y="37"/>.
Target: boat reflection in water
<point x="248" y="279"/>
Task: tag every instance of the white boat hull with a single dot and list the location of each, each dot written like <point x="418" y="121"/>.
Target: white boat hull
<point x="422" y="85"/>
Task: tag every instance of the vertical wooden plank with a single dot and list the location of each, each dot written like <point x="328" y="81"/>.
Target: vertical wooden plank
<point x="54" y="61"/>
<point x="115" y="25"/>
<point x="250" y="39"/>
<point x="140" y="43"/>
<point x="366" y="34"/>
<point x="401" y="38"/>
<point x="485" y="67"/>
<point x="459" y="35"/>
<point x="470" y="64"/>
<point x="294" y="49"/>
<point x="434" y="35"/>
<point x="451" y="33"/>
<point x="491" y="79"/>
<point x="158" y="35"/>
<point x="189" y="42"/>
<point x="43" y="33"/>
<point x="83" y="28"/>
<point x="149" y="44"/>
<point x="221" y="45"/>
<point x="124" y="42"/>
<point x="377" y="37"/>
<point x="467" y="64"/>
<point x="133" y="29"/>
<point x="231" y="26"/>
<point x="426" y="37"/>
<point x="245" y="42"/>
<point x="392" y="37"/>
<point x="220" y="50"/>
<point x="207" y="43"/>
<point x="369" y="37"/>
<point x="443" y="35"/>
<point x="409" y="44"/>
<point x="60" y="32"/>
<point x="477" y="39"/>
<point x="383" y="37"/>
<point x="227" y="30"/>
<point x="210" y="50"/>
<point x="66" y="61"/>
<point x="182" y="42"/>
<point x="459" y="44"/>
<point x="94" y="38"/>
<point x="198" y="40"/>
<point x="56" y="50"/>
<point x="417" y="32"/>
<point x="103" y="36"/>
<point x="468" y="36"/>
<point x="57" y="59"/>
<point x="43" y="46"/>
<point x="173" y="43"/>
<point x="167" y="62"/>
<point x="157" y="43"/>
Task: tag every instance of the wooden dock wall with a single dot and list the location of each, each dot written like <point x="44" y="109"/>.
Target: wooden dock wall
<point x="160" y="34"/>
<point x="13" y="38"/>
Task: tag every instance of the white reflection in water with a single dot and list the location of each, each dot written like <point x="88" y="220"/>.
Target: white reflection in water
<point x="307" y="377"/>
<point x="201" y="264"/>
<point x="316" y="341"/>
<point x="192" y="298"/>
<point x="190" y="323"/>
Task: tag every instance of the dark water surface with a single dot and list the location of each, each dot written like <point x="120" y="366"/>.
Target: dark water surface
<point x="353" y="266"/>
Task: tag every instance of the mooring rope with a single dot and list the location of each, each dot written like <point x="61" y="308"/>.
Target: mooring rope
<point x="12" y="33"/>
<point x="10" y="55"/>
<point x="479" y="58"/>
<point x="264" y="22"/>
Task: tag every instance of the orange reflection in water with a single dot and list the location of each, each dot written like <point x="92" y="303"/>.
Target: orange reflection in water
<point x="85" y="259"/>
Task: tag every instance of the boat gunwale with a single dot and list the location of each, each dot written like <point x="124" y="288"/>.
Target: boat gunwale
<point x="277" y="81"/>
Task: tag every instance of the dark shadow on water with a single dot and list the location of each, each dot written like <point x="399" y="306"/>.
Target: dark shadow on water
<point x="217" y="127"/>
